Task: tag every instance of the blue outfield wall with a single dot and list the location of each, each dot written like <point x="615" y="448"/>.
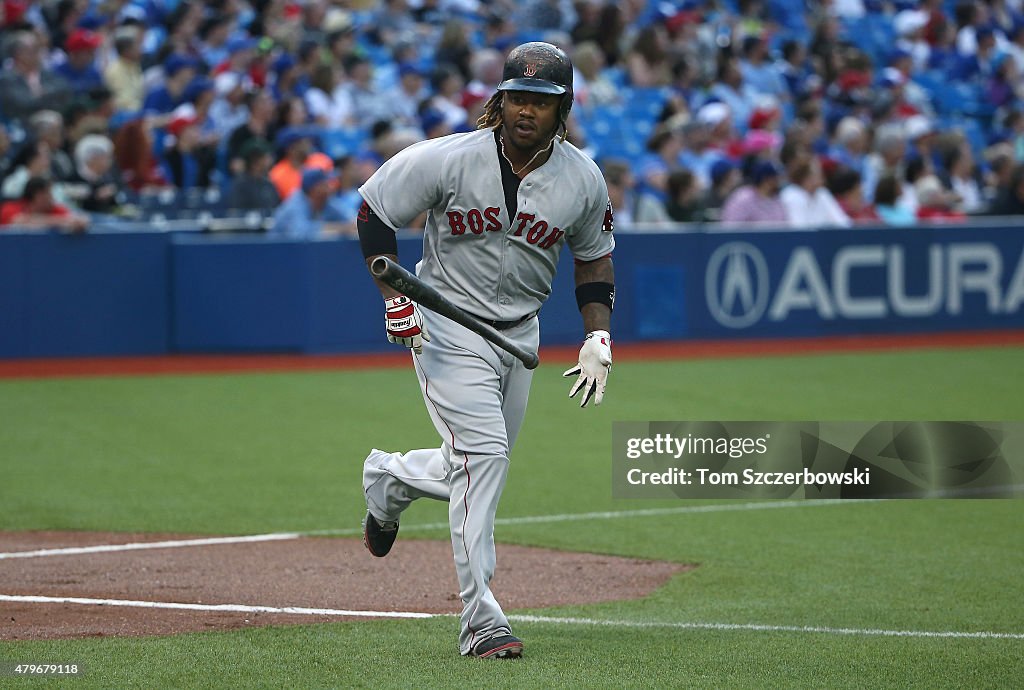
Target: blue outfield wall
<point x="71" y="295"/>
<point x="153" y="293"/>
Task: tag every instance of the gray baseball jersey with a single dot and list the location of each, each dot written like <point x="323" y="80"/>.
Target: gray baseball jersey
<point x="496" y="263"/>
<point x="489" y="264"/>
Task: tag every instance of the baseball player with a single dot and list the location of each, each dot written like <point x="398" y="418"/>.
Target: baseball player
<point x="501" y="203"/>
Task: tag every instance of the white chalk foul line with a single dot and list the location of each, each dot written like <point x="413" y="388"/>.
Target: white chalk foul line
<point x="523" y="520"/>
<point x="304" y="611"/>
<point x="868" y="632"/>
<point x="229" y="608"/>
<point x="619" y="514"/>
<point x="142" y="545"/>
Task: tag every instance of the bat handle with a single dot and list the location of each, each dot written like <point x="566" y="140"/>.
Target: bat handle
<point x="387" y="271"/>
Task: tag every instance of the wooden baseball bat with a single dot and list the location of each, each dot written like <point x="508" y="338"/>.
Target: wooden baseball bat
<point x="387" y="271"/>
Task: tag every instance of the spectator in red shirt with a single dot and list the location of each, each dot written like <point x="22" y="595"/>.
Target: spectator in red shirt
<point x="37" y="209"/>
<point x="935" y="202"/>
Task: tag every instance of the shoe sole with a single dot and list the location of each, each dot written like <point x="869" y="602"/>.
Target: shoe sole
<point x="366" y="541"/>
<point x="512" y="650"/>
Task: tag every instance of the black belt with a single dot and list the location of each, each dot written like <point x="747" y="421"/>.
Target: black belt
<point x="505" y="325"/>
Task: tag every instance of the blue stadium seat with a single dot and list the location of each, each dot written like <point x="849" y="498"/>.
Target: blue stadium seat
<point x="342" y="142"/>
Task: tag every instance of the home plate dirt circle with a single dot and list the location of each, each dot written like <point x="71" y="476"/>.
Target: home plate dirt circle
<point x="307" y="572"/>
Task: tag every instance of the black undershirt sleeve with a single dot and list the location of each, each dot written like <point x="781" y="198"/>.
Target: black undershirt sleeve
<point x="375" y="237"/>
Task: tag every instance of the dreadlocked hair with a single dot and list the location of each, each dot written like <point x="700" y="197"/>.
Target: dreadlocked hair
<point x="491" y="118"/>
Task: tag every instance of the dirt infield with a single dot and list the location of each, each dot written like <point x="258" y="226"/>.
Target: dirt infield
<point x="320" y="573"/>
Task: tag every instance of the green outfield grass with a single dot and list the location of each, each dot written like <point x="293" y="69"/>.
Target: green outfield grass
<point x="252" y="453"/>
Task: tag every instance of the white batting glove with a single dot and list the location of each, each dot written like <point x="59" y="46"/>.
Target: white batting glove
<point x="592" y="369"/>
<point x="404" y="323"/>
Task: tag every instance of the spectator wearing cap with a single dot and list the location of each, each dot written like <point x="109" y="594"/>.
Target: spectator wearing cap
<point x="914" y="95"/>
<point x="725" y="178"/>
<point x="758" y="202"/>
<point x="980" y="65"/>
<point x="79" y="70"/>
<point x="199" y="97"/>
<point x="96" y="186"/>
<point x="37" y="208"/>
<point x="341" y="36"/>
<point x="229" y="109"/>
<point x="760" y="74"/>
<point x="179" y="72"/>
<point x="295" y="145"/>
<point x="697" y="154"/>
<point x="314" y="211"/>
<point x="251" y="190"/>
<point x="123" y="74"/>
<point x="892" y="98"/>
<point x="189" y="163"/>
<point x="809" y="204"/>
<point x="286" y="77"/>
<point x="433" y="123"/>
<point x="27" y="87"/>
<point x="260" y="106"/>
<point x="327" y="101"/>
<point x="241" y="53"/>
<point x="407" y="95"/>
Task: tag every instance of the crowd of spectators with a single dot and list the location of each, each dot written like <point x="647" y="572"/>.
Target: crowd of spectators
<point x="789" y="112"/>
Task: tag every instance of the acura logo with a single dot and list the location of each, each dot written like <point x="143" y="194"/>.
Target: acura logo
<point x="736" y="284"/>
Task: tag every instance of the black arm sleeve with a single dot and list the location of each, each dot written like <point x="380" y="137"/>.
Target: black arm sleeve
<point x="375" y="237"/>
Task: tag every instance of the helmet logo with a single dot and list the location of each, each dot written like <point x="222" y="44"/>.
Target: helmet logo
<point x="531" y="69"/>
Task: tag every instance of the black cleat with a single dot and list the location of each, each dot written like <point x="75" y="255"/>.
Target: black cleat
<point x="500" y="647"/>
<point x="378" y="538"/>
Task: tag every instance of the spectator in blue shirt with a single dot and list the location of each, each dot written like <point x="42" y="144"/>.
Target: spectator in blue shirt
<point x="79" y="70"/>
<point x="759" y="73"/>
<point x="313" y="213"/>
<point x="179" y="71"/>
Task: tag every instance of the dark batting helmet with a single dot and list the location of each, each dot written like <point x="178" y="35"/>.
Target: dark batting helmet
<point x="541" y="68"/>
